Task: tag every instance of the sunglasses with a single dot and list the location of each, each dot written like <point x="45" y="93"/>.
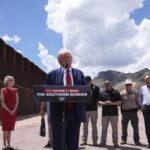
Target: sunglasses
<point x="128" y="84"/>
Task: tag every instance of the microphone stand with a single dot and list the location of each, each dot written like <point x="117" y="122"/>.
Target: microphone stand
<point x="63" y="127"/>
<point x="63" y="118"/>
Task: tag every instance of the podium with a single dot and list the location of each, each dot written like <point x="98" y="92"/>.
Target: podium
<point x="62" y="94"/>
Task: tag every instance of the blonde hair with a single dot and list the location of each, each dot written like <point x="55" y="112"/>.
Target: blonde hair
<point x="62" y="52"/>
<point x="8" y="78"/>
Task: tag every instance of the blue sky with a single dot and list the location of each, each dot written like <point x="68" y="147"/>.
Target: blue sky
<point x="140" y="14"/>
<point x="28" y="20"/>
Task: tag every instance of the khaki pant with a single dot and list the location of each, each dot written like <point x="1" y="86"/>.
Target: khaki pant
<point x="114" y="123"/>
<point x="93" y="116"/>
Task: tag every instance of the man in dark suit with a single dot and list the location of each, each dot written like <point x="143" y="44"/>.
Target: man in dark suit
<point x="74" y="112"/>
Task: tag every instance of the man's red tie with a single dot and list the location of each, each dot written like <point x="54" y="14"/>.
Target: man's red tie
<point x="69" y="83"/>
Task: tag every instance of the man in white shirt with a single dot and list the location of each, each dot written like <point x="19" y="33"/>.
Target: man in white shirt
<point x="144" y="102"/>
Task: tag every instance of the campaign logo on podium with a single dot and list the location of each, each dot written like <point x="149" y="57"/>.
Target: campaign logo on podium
<point x="60" y="93"/>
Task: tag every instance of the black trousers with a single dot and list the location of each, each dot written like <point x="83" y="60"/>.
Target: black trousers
<point x="146" y="114"/>
<point x="133" y="117"/>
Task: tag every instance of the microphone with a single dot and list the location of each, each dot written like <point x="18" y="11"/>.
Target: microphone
<point x="65" y="65"/>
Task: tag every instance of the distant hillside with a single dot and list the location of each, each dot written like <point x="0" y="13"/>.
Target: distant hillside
<point x="117" y="78"/>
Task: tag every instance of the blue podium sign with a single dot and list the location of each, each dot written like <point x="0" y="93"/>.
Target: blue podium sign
<point x="60" y="93"/>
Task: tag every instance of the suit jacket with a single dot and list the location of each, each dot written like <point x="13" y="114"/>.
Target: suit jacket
<point x="55" y="77"/>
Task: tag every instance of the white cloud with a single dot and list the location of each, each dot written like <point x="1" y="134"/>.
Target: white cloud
<point x="47" y="60"/>
<point x="100" y="34"/>
<point x="16" y="39"/>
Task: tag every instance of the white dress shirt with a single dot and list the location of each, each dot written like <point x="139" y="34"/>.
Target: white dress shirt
<point x="144" y="96"/>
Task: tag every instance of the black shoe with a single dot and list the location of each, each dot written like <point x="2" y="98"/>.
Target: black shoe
<point x="138" y="143"/>
<point x="10" y="148"/>
<point x="102" y="145"/>
<point x="95" y="144"/>
<point x="48" y="145"/>
<point x="123" y="142"/>
<point x="84" y="143"/>
<point x="116" y="145"/>
<point x="148" y="146"/>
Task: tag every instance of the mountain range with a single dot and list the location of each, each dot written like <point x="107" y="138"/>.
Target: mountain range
<point x="118" y="78"/>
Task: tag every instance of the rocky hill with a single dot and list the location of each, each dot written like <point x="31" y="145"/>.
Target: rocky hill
<point x="118" y="78"/>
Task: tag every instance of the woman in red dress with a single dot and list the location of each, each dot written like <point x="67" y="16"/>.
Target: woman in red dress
<point x="9" y="100"/>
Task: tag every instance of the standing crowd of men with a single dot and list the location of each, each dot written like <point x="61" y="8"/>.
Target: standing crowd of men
<point x="128" y="100"/>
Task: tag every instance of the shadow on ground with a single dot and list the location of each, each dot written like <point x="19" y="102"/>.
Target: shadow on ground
<point x="110" y="147"/>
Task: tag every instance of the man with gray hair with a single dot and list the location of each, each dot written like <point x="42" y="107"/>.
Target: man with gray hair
<point x="74" y="112"/>
<point x="144" y="102"/>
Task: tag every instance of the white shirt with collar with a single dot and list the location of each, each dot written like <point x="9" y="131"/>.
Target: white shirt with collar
<point x="144" y="95"/>
<point x="65" y="75"/>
